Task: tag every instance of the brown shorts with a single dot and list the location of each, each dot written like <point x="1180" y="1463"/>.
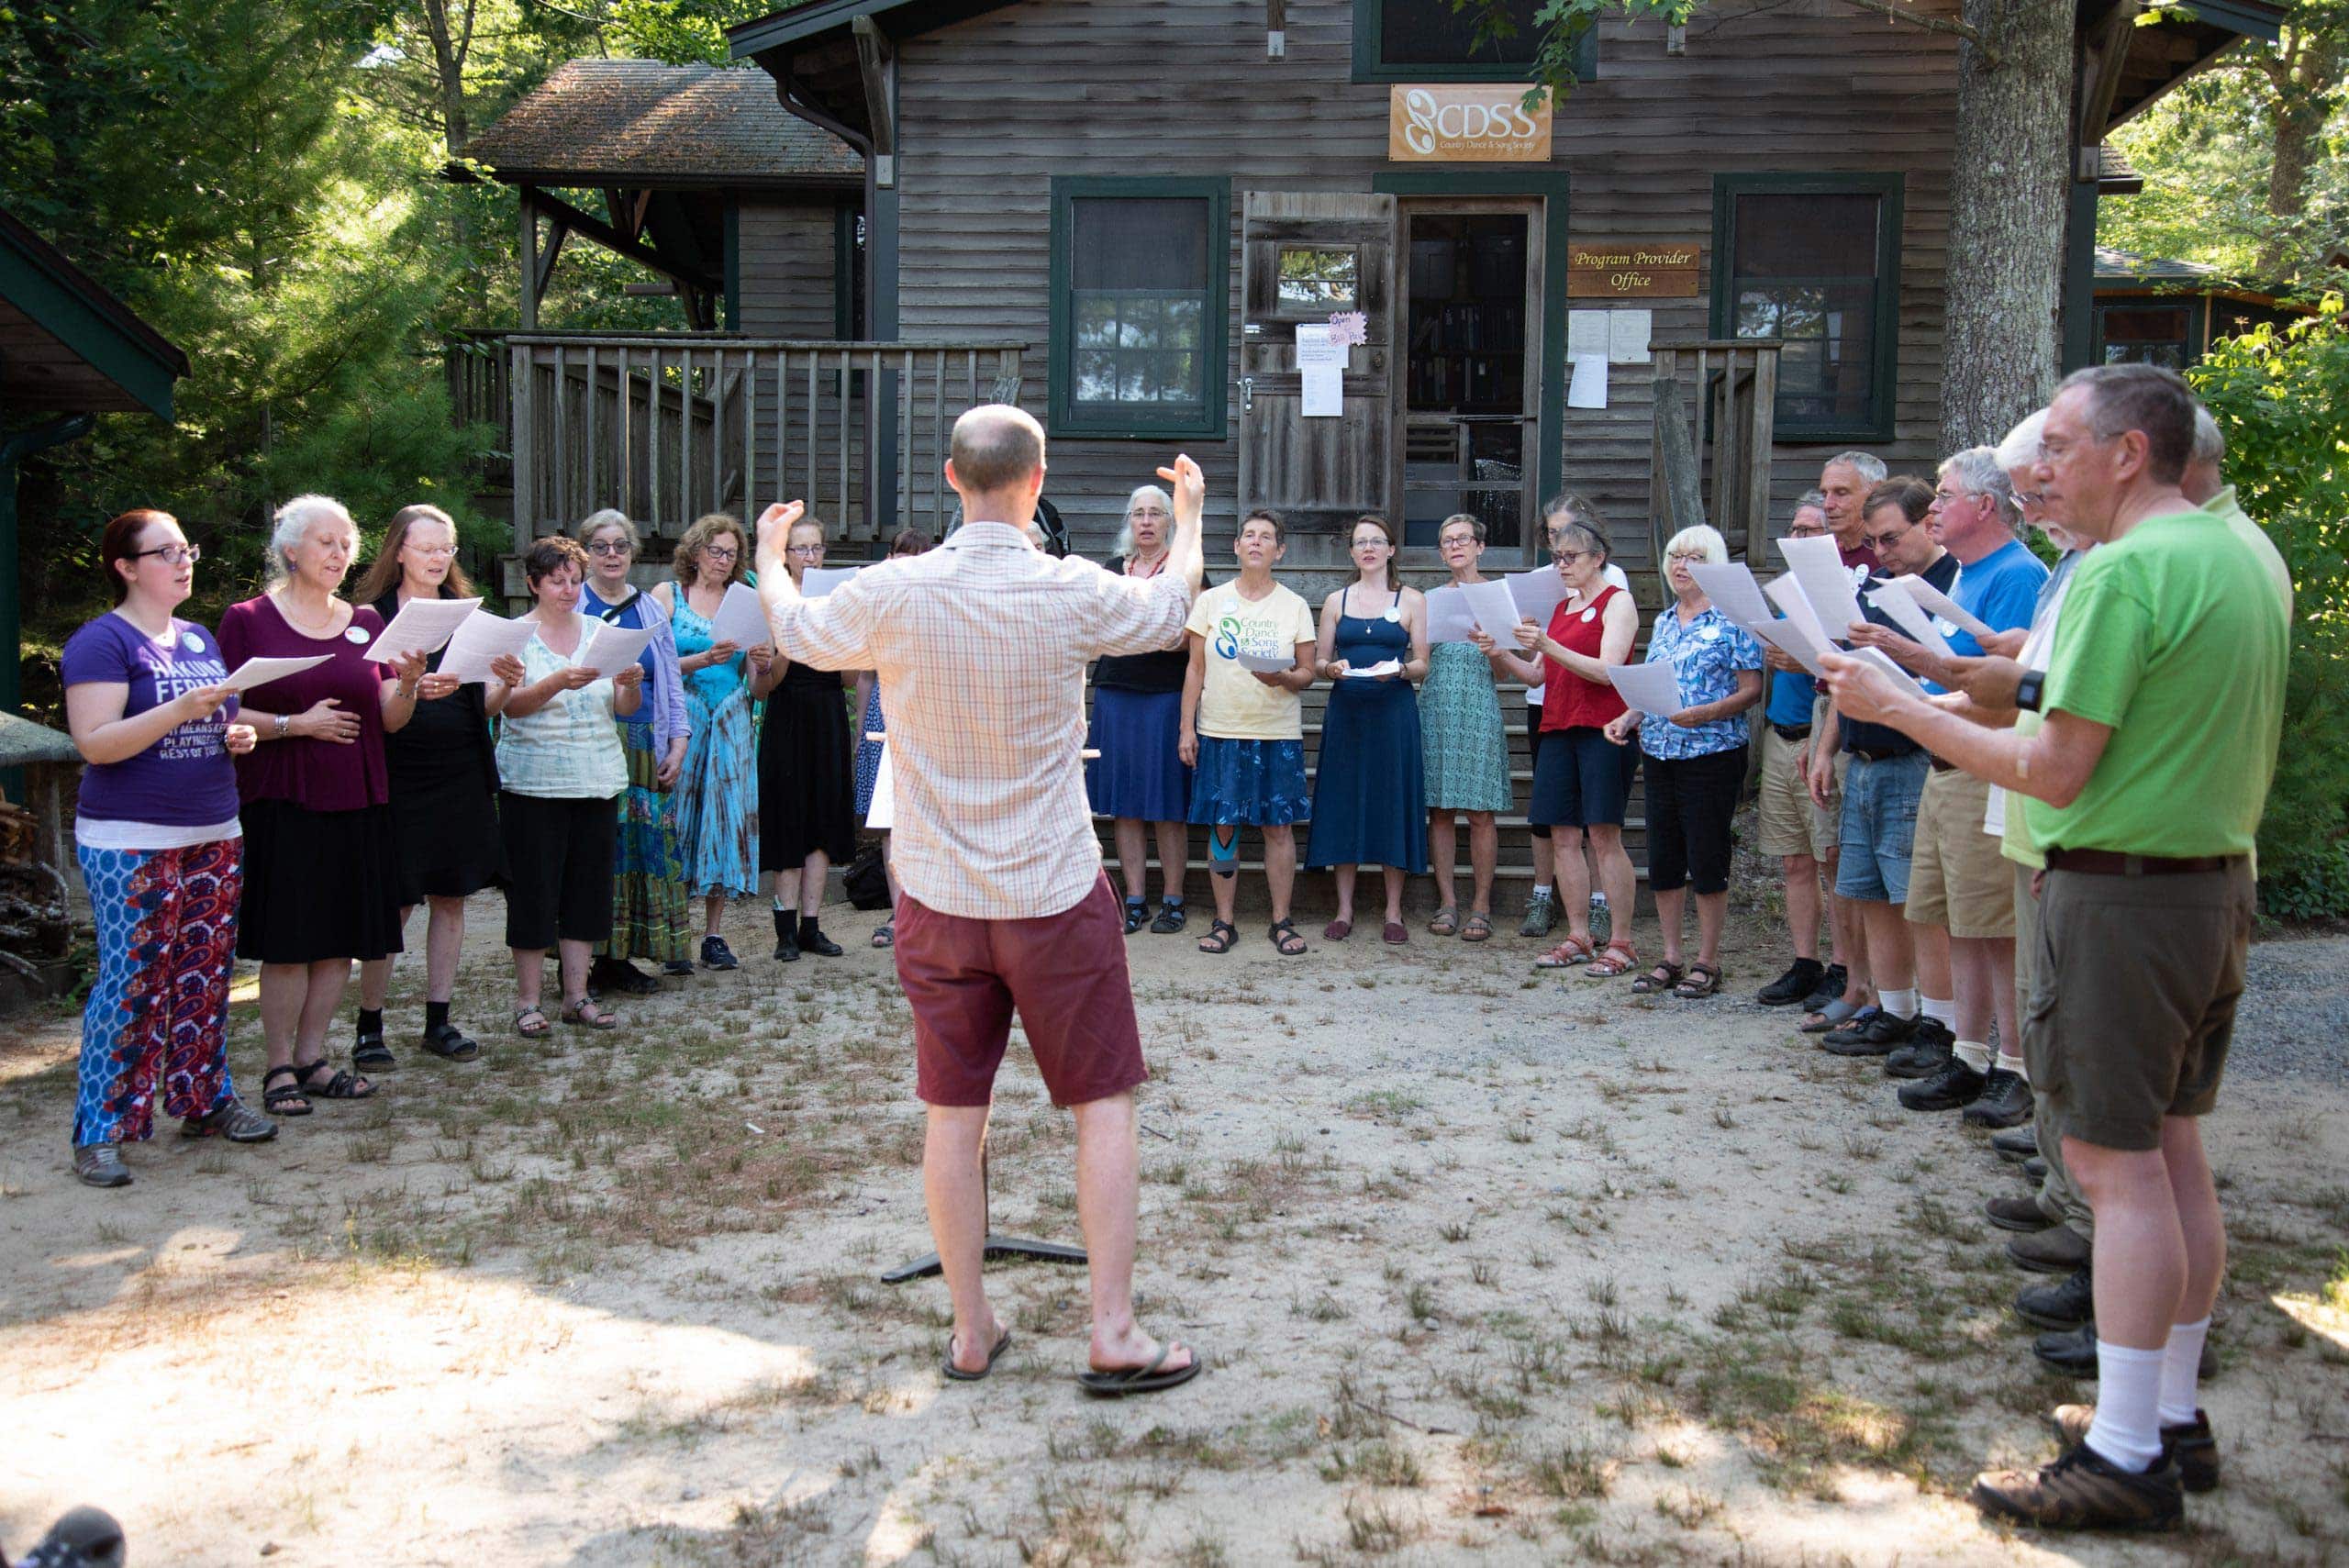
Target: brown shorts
<point x="1957" y="878"/>
<point x="1064" y="972"/>
<point x="1792" y="823"/>
<point x="2134" y="984"/>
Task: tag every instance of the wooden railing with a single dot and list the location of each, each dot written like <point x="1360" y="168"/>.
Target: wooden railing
<point x="669" y="425"/>
<point x="1732" y="386"/>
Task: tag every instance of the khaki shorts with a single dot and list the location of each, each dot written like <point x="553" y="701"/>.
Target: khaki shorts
<point x="2134" y="985"/>
<point x="1957" y="878"/>
<point x="1792" y="823"/>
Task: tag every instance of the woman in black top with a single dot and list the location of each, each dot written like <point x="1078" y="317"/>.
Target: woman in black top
<point x="1139" y="779"/>
<point x="443" y="776"/>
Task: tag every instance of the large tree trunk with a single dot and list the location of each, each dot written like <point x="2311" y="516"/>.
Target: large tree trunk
<point x="2007" y="200"/>
<point x="2302" y="77"/>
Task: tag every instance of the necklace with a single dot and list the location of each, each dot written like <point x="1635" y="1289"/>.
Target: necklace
<point x="1137" y="567"/>
<point x="320" y="629"/>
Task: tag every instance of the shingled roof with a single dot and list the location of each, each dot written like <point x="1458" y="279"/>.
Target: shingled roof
<point x="638" y="123"/>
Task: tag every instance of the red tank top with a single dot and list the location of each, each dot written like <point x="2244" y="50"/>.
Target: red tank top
<point x="1568" y="701"/>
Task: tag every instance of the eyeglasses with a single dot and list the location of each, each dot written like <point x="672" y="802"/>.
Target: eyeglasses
<point x="431" y="549"/>
<point x="174" y="554"/>
<point x="2030" y="497"/>
<point x="1687" y="555"/>
<point x="611" y="547"/>
<point x="806" y="551"/>
<point x="1886" y="541"/>
<point x="720" y="552"/>
<point x="1568" y="557"/>
<point x="1801" y="531"/>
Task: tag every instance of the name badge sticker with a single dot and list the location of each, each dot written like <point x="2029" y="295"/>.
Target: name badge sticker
<point x="1709" y="633"/>
<point x="1392" y="612"/>
<point x="356" y="634"/>
<point x="192" y="643"/>
<point x="1590" y="614"/>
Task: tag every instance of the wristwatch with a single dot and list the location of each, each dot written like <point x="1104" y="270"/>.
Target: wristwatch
<point x="2029" y="689"/>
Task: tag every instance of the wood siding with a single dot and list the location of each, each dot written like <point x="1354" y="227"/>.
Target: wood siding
<point x="785" y="268"/>
<point x="992" y="108"/>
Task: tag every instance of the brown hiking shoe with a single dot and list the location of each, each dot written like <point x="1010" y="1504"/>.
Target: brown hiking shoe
<point x="2057" y="1250"/>
<point x="2081" y="1491"/>
<point x="2190" y="1443"/>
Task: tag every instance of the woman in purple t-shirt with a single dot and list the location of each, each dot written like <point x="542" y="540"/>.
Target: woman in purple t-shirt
<point x="161" y="854"/>
<point x="321" y="853"/>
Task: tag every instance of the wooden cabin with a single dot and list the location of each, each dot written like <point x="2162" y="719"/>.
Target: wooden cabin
<point x="2159" y="311"/>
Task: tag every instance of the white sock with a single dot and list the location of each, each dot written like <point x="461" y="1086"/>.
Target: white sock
<point x="1900" y="1003"/>
<point x="2127" y="1430"/>
<point x="1941" y="1012"/>
<point x="1540" y="890"/>
<point x="2181" y="1370"/>
<point x="1973" y="1053"/>
<point x="1598" y="901"/>
<point x="2012" y="1065"/>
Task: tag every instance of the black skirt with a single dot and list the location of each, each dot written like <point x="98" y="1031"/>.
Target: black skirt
<point x="319" y="885"/>
<point x="806" y="773"/>
<point x="444" y="807"/>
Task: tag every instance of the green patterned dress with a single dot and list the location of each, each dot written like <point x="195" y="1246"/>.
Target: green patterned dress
<point x="1465" y="747"/>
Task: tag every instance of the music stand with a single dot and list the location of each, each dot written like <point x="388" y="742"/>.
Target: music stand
<point x="995" y="1247"/>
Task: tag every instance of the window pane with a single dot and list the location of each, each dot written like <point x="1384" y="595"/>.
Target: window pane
<point x="1805" y="235"/>
<point x="1314" y="280"/>
<point x="1096" y="378"/>
<point x="1096" y="322"/>
<point x="1827" y="369"/>
<point x="1133" y="243"/>
<point x="2158" y="325"/>
<point x="1182" y="331"/>
<point x="1430" y="32"/>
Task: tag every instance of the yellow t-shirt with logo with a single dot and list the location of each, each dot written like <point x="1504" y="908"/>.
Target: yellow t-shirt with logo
<point x="1234" y="705"/>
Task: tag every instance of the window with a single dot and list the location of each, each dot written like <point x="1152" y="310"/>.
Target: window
<point x="1428" y="41"/>
<point x="2145" y="334"/>
<point x="1140" y="274"/>
<point x="1314" y="282"/>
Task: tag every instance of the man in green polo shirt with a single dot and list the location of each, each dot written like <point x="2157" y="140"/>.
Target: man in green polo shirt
<point x="2163" y="702"/>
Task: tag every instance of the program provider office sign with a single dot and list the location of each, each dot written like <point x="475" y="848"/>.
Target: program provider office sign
<point x="1456" y="122"/>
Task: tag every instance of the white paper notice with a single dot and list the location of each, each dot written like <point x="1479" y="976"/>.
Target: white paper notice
<point x="1538" y="593"/>
<point x="1651" y="687"/>
<point x="1734" y="593"/>
<point x="1627" y="335"/>
<point x="1900" y="677"/>
<point x="1372" y="672"/>
<point x="1266" y="663"/>
<point x="1826" y="582"/>
<point x="1788" y="594"/>
<point x="260" y="671"/>
<point x="882" y="813"/>
<point x="1494" y="610"/>
<point x="1586" y="333"/>
<point x="741" y="619"/>
<point x="1588" y="388"/>
<point x="613" y="647"/>
<point x="1320" y="368"/>
<point x="1449" y="618"/>
<point x="484" y="637"/>
<point x="423" y="625"/>
<point x="1910" y="616"/>
<point x="818" y="581"/>
<point x="1941" y="605"/>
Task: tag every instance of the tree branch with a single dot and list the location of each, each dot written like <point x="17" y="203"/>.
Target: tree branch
<point x="1899" y="12"/>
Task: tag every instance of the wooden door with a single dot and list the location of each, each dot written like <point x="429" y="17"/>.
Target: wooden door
<point x="1304" y="256"/>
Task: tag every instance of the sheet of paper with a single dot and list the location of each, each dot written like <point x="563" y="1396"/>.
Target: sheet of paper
<point x="1651" y="688"/>
<point x="1734" y="593"/>
<point x="1826" y="582"/>
<point x="1372" y="672"/>
<point x="741" y="619"/>
<point x="1588" y="388"/>
<point x="482" y="638"/>
<point x="1449" y="618"/>
<point x="1537" y="593"/>
<point x="1793" y="641"/>
<point x="1495" y="609"/>
<point x="1900" y="677"/>
<point x="818" y="581"/>
<point x="614" y="648"/>
<point x="1627" y="332"/>
<point x="1941" y="605"/>
<point x="1587" y="332"/>
<point x="1788" y="594"/>
<point x="1320" y="368"/>
<point x="1267" y="663"/>
<point x="260" y="671"/>
<point x="422" y="626"/>
<point x="882" y="813"/>
<point x="1910" y="616"/>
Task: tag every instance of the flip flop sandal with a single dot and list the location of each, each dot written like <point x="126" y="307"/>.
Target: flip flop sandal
<point x="1140" y="1379"/>
<point x="1282" y="933"/>
<point x="1220" y="938"/>
<point x="528" y="1030"/>
<point x="1446" y="922"/>
<point x="958" y="1374"/>
<point x="372" y="1055"/>
<point x="583" y="1014"/>
<point x="1170" y="918"/>
<point x="1704" y="980"/>
<point x="450" y="1043"/>
<point x="884" y="935"/>
<point x="1565" y="955"/>
<point x="341" y="1084"/>
<point x="1834" y="1016"/>
<point x="1663" y="978"/>
<point x="1479" y="929"/>
<point x="286" y="1098"/>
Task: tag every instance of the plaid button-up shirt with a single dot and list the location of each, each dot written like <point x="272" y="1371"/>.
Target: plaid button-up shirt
<point x="982" y="646"/>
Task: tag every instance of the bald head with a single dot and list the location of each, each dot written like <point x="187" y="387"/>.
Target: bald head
<point x="997" y="449"/>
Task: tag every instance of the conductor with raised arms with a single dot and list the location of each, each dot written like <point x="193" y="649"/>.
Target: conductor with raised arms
<point x="981" y="646"/>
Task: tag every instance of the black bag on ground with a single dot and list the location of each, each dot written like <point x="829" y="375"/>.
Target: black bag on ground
<point x="866" y="882"/>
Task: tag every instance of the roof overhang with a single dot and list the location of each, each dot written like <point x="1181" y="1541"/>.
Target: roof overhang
<point x="68" y="346"/>
<point x="811" y="50"/>
<point x="630" y="180"/>
<point x="2184" y="38"/>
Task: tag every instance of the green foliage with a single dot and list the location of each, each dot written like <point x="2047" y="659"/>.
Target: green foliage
<point x="2282" y="400"/>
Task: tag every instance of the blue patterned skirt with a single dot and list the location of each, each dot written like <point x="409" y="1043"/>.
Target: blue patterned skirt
<point x="1139" y="773"/>
<point x="1258" y="782"/>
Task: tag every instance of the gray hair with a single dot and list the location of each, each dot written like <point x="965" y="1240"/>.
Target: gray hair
<point x="2210" y="441"/>
<point x="2153" y="400"/>
<point x="1811" y="501"/>
<point x="1702" y="536"/>
<point x="293" y="524"/>
<point x="2020" y="448"/>
<point x="1979" y="469"/>
<point x="1125" y="545"/>
<point x="608" y="517"/>
<point x="1867" y="465"/>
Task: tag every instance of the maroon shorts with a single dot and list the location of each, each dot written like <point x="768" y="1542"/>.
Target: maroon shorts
<point x="1065" y="972"/>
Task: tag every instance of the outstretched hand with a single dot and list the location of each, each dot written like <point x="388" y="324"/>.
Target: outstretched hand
<point x="1861" y="689"/>
<point x="775" y="528"/>
<point x="1189" y="484"/>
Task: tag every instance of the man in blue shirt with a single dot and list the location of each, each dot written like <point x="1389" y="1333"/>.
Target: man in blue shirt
<point x="1961" y="909"/>
<point x="1796" y="828"/>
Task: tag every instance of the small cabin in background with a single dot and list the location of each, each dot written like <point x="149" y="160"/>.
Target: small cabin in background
<point x="2159" y="312"/>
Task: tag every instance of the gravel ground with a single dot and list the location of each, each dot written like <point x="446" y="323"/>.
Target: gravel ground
<point x="2293" y="1021"/>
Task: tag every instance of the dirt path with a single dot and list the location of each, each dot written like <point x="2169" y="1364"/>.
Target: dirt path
<point x="1485" y="1265"/>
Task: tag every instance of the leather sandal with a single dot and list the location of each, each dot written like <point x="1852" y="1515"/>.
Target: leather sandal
<point x="586" y="1014"/>
<point x="1565" y="955"/>
<point x="286" y="1098"/>
<point x="1446" y="922"/>
<point x="1704" y="980"/>
<point x="1220" y="938"/>
<point x="1663" y="977"/>
<point x="1478" y="929"/>
<point x="450" y="1043"/>
<point x="1285" y="937"/>
<point x="1618" y="959"/>
<point x="340" y="1082"/>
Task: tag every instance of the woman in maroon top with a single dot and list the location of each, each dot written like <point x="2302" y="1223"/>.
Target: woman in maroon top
<point x="1581" y="780"/>
<point x="321" y="855"/>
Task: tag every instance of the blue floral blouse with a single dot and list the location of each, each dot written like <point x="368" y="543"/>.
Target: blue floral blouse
<point x="1710" y="651"/>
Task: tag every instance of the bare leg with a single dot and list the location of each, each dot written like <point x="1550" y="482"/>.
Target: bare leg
<point x="375" y="973"/>
<point x="1974" y="971"/>
<point x="530" y="976"/>
<point x="1668" y="908"/>
<point x="1484" y="855"/>
<point x="1616" y="878"/>
<point x="713" y="914"/>
<point x="1712" y="914"/>
<point x="444" y="939"/>
<point x="2139" y="1269"/>
<point x="953" y="1186"/>
<point x="285" y="987"/>
<point x="1174" y="857"/>
<point x="1393" y="875"/>
<point x="1106" y="1162"/>
<point x="1851" y="940"/>
<point x="1280" y="869"/>
<point x="1133" y="852"/>
<point x="1345" y="877"/>
<point x="1444" y="847"/>
<point x="1801" y="873"/>
<point x="1892" y="963"/>
<point x="322" y="998"/>
<point x="575" y="957"/>
<point x="1930" y="944"/>
<point x="1572" y="873"/>
<point x="811" y="883"/>
<point x="2205" y="1231"/>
